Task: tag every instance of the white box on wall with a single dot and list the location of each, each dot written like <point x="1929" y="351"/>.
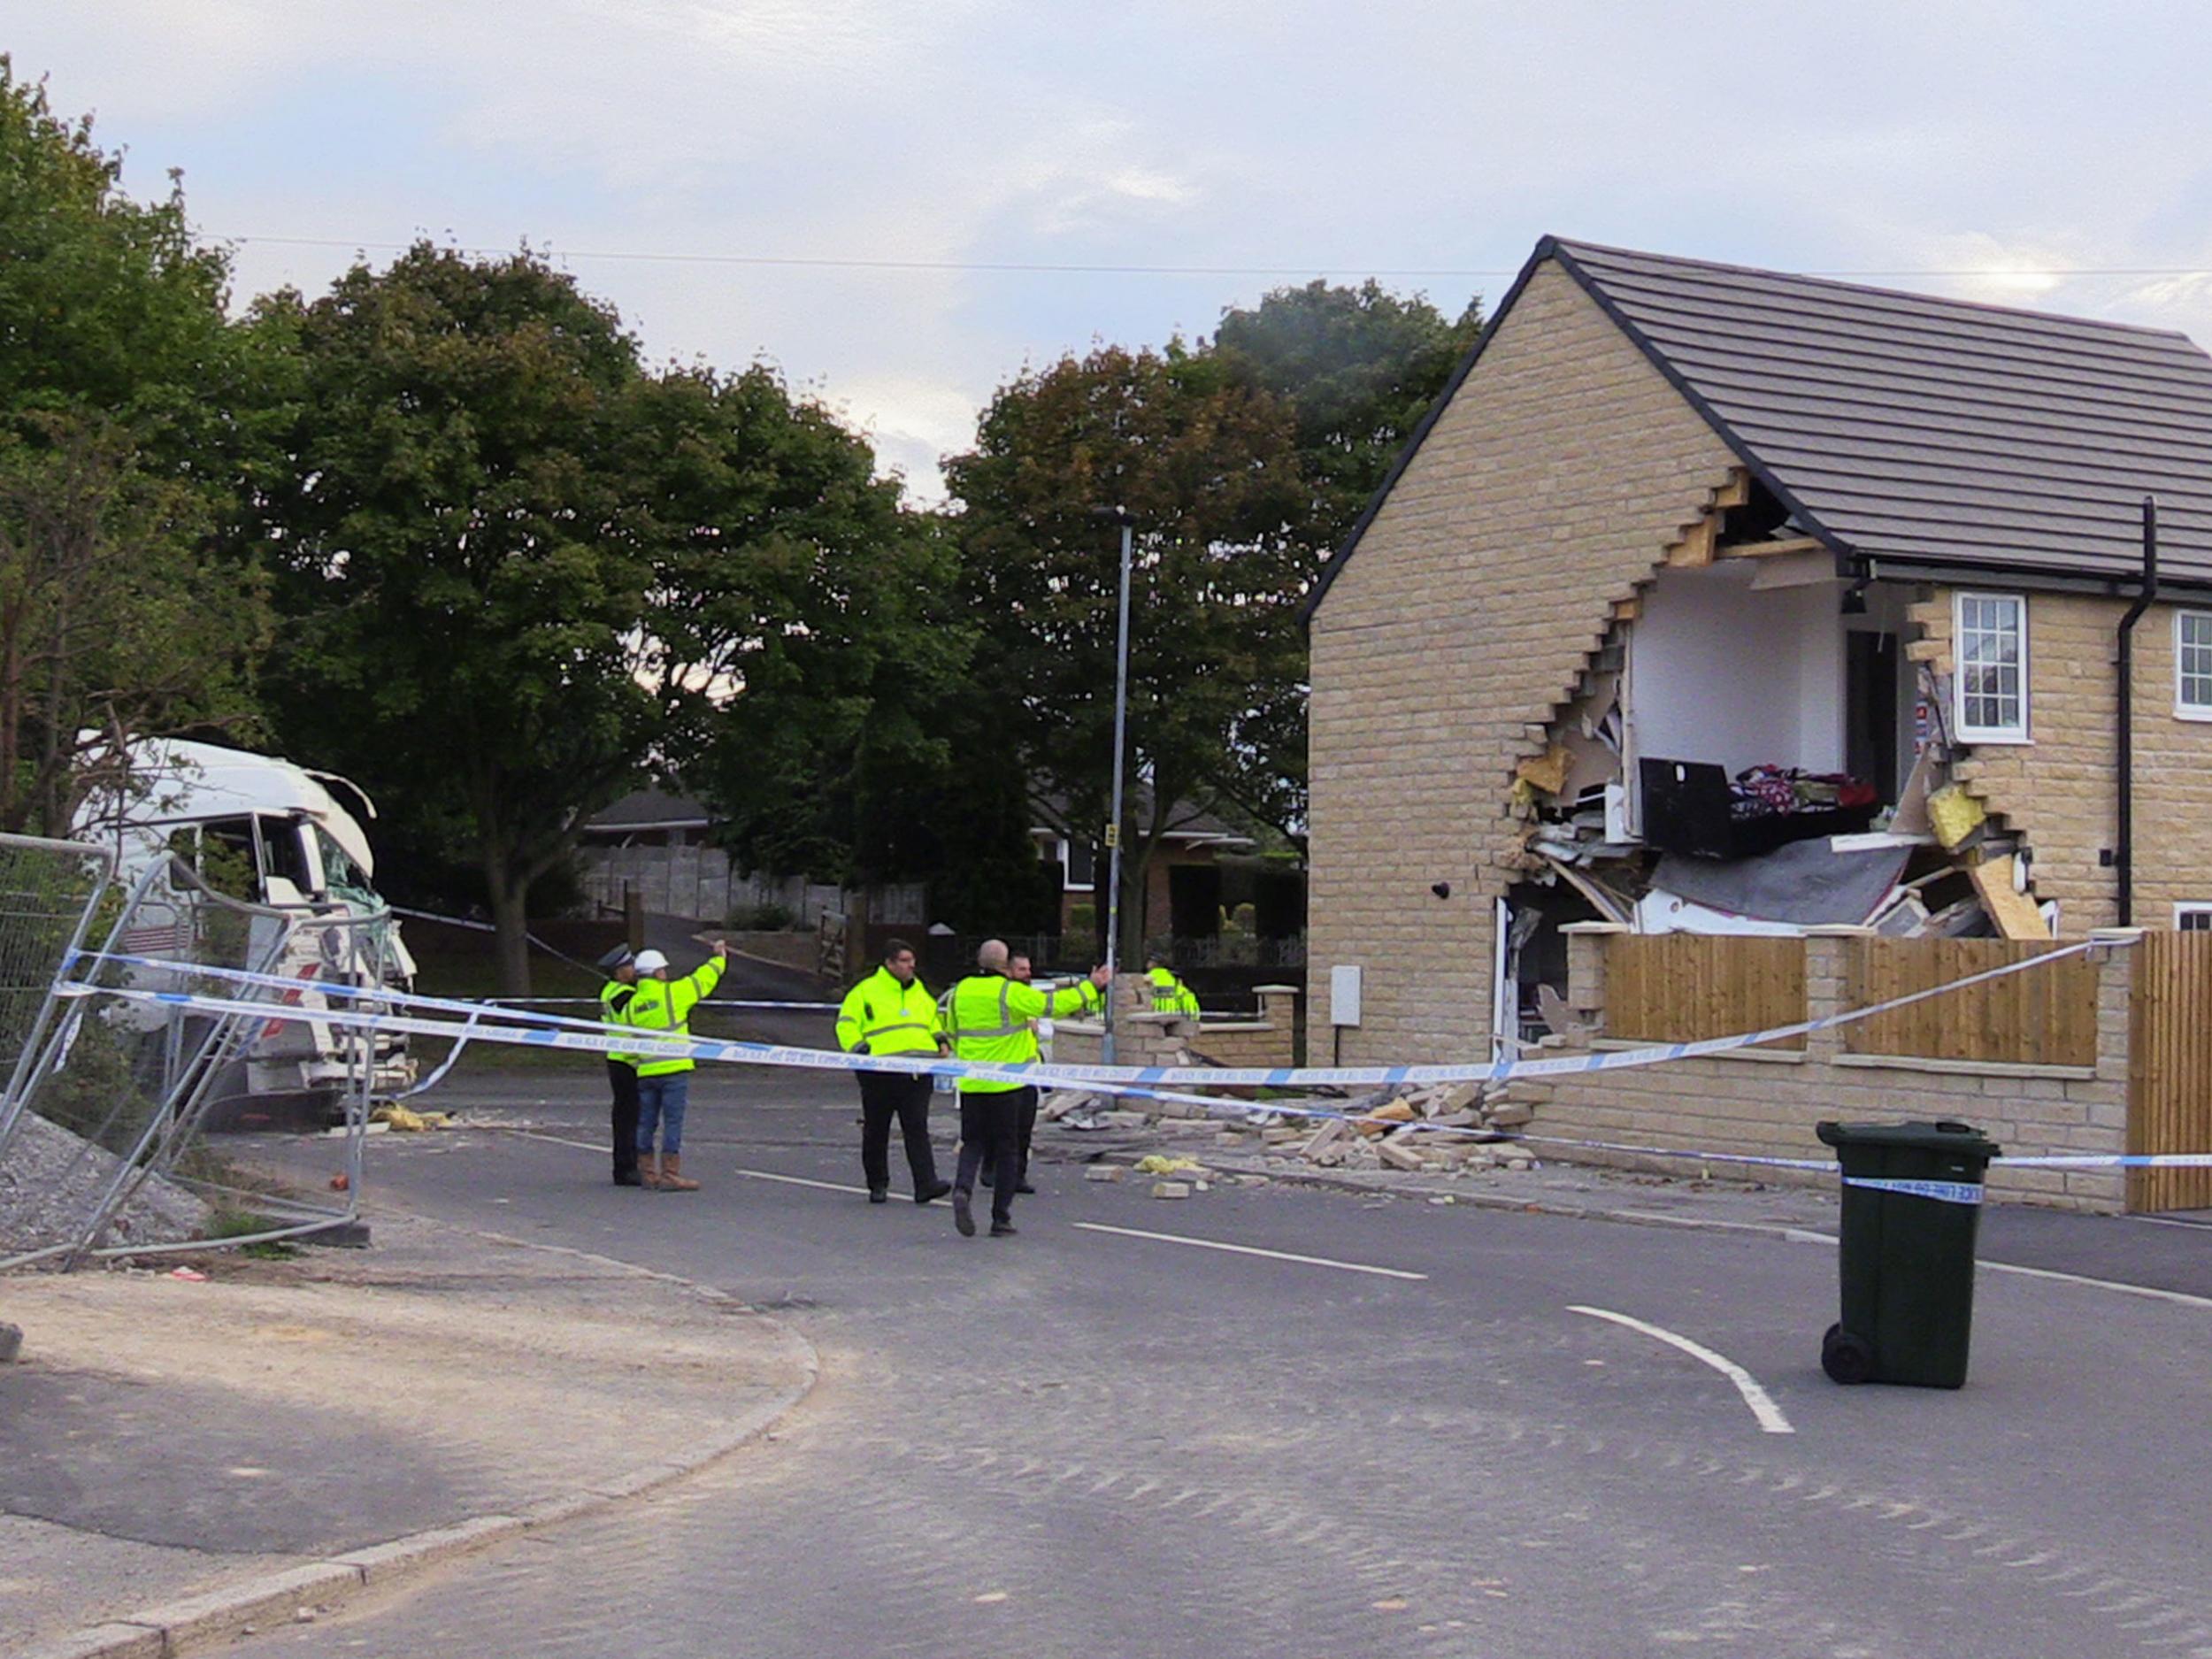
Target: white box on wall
<point x="1344" y="995"/>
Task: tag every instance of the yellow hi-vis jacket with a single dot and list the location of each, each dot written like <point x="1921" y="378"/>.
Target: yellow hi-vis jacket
<point x="987" y="1017"/>
<point x="614" y="1003"/>
<point x="889" y="1017"/>
<point x="661" y="1007"/>
<point x="1170" y="994"/>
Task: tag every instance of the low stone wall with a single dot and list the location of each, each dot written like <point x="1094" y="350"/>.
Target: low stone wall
<point x="1765" y="1104"/>
<point x="1144" y="1038"/>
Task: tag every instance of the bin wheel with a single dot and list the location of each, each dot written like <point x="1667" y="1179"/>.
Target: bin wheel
<point x="1845" y="1357"/>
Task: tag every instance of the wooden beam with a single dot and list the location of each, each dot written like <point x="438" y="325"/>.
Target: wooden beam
<point x="1695" y="551"/>
<point x="1772" y="549"/>
<point x="1735" y="492"/>
<point x="1627" y="610"/>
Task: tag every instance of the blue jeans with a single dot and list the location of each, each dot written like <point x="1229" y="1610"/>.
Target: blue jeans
<point x="660" y="1102"/>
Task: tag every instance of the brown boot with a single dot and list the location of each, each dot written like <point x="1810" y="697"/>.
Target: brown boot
<point x="673" y="1175"/>
<point x="649" y="1170"/>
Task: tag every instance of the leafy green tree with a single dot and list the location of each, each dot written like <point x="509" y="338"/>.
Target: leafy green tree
<point x="1206" y="467"/>
<point x="464" y="593"/>
<point x="1359" y="367"/>
<point x="135" y="425"/>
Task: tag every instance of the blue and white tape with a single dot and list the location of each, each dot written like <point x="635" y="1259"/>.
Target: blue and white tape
<point x="1942" y="1192"/>
<point x="1495" y="1071"/>
<point x="1135" y="1082"/>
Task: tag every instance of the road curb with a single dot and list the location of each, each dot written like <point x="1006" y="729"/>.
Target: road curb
<point x="277" y="1598"/>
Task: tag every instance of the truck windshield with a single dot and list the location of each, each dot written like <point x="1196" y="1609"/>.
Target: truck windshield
<point x="340" y="872"/>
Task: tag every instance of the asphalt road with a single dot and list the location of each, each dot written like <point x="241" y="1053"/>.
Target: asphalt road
<point x="1087" y="1442"/>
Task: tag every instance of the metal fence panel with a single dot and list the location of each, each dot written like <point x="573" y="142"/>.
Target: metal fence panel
<point x="113" y="1092"/>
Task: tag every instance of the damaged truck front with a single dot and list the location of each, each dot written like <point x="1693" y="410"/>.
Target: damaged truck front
<point x="272" y="835"/>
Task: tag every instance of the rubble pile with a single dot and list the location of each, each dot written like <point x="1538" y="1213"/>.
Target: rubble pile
<point x="1449" y="1129"/>
<point x="51" y="1180"/>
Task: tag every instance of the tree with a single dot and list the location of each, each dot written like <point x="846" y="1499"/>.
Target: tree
<point x="1206" y="467"/>
<point x="1359" y="367"/>
<point x="463" y="592"/>
<point x="134" y="424"/>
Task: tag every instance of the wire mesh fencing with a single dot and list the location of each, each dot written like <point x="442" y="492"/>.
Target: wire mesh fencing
<point x="102" y="1134"/>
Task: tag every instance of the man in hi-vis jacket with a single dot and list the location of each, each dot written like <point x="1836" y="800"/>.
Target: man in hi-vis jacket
<point x="891" y="1012"/>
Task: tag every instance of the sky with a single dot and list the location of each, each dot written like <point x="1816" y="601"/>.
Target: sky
<point x="2055" y="156"/>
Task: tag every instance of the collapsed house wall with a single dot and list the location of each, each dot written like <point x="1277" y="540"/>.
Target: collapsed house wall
<point x="2058" y="791"/>
<point x="1547" y="489"/>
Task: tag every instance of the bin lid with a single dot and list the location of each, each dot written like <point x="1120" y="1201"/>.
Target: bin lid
<point x="1944" y="1135"/>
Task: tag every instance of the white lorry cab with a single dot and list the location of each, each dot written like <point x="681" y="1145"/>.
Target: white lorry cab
<point x="274" y="834"/>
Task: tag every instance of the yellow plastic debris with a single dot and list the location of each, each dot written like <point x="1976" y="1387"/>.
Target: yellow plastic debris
<point x="406" y="1120"/>
<point x="1953" y="814"/>
<point x="1154" y="1164"/>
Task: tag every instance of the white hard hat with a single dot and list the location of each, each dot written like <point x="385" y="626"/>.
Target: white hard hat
<point x="651" y="961"/>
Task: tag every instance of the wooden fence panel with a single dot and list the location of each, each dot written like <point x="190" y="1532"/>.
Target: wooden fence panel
<point x="2042" y="1016"/>
<point x="2170" y="1068"/>
<point x="1684" y="987"/>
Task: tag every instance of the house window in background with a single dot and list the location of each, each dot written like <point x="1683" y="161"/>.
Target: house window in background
<point x="1075" y="859"/>
<point x="2194" y="918"/>
<point x="1991" y="654"/>
<point x="2193" y="664"/>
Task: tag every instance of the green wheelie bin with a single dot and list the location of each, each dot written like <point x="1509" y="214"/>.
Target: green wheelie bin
<point x="1912" y="1196"/>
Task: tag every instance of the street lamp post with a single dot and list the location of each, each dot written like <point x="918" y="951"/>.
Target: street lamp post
<point x="1113" y="826"/>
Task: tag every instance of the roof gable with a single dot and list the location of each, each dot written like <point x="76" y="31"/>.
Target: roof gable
<point x="1913" y="431"/>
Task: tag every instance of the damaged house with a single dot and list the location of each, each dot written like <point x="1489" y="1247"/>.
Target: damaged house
<point x="1725" y="601"/>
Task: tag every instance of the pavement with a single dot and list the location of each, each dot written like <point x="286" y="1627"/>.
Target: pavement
<point x="1293" y="1414"/>
<point x="179" y="1458"/>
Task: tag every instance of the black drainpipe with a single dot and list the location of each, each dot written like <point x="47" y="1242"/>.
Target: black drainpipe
<point x="2124" y="853"/>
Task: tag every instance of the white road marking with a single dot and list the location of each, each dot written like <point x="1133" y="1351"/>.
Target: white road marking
<point x="800" y="1181"/>
<point x="1249" y="1250"/>
<point x="1762" y="1404"/>
<point x="2181" y="1297"/>
<point x="750" y="1175"/>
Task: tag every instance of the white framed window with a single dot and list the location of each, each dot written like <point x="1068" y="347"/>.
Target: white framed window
<point x="1990" y="651"/>
<point x="2193" y="664"/>
<point x="2194" y="918"/>
<point x="1078" y="871"/>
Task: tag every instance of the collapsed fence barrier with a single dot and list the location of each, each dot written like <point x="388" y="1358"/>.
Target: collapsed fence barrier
<point x="100" y="1127"/>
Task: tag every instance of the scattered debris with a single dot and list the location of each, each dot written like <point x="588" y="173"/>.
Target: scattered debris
<point x="11" y="1343"/>
<point x="189" y="1275"/>
<point x="1102" y="1173"/>
<point x="1171" y="1189"/>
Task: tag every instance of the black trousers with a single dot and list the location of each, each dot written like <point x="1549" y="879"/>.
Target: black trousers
<point x="883" y="1096"/>
<point x="991" y="1127"/>
<point x="623" y="1080"/>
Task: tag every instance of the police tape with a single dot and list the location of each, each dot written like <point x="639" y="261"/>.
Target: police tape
<point x="1495" y="1072"/>
<point x="1942" y="1191"/>
<point x="596" y="1039"/>
<point x="527" y="1002"/>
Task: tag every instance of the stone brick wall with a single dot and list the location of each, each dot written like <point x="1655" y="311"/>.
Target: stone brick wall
<point x="2059" y="789"/>
<point x="1766" y="1106"/>
<point x="1548" y="489"/>
<point x="1144" y="1038"/>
